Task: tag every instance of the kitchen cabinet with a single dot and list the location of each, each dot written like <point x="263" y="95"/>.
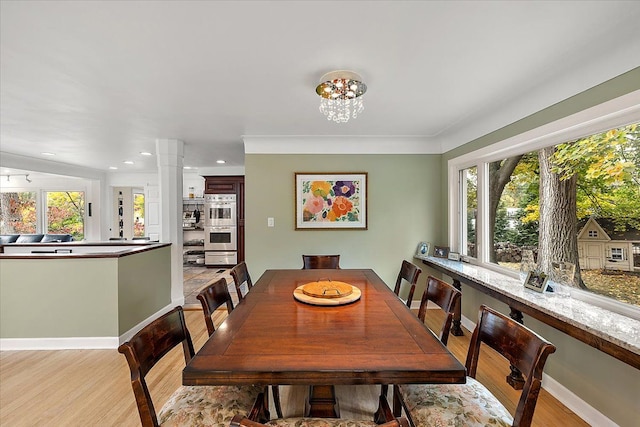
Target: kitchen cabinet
<point x="230" y="185"/>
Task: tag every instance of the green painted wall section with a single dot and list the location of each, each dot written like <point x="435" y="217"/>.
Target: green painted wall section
<point x="83" y="297"/>
<point x="58" y="298"/>
<point x="403" y="194"/>
<point x="144" y="286"/>
<point x="610" y="386"/>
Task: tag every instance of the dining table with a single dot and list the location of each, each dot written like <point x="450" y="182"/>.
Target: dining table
<point x="276" y="336"/>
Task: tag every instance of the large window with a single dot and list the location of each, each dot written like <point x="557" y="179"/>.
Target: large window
<point x="55" y="212"/>
<point x="574" y="202"/>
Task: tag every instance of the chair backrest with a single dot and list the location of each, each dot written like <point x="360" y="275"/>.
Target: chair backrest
<point x="241" y="421"/>
<point x="241" y="276"/>
<point x="444" y="296"/>
<point x="523" y="348"/>
<point x="310" y="262"/>
<point x="212" y="297"/>
<point x="146" y="348"/>
<point x="410" y="273"/>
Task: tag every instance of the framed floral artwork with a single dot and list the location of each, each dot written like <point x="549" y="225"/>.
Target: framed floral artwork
<point x="331" y="201"/>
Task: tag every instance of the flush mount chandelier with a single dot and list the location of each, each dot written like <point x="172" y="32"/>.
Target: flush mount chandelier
<point x="341" y="92"/>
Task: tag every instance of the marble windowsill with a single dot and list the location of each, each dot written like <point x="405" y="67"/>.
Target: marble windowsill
<point x="608" y="325"/>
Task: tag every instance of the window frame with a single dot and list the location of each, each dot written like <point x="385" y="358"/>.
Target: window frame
<point x="615" y="113"/>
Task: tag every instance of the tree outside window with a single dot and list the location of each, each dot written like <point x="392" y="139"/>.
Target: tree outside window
<point x="18" y="212"/>
<point x="65" y="213"/>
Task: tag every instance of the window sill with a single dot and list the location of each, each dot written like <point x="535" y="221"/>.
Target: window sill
<point x="606" y="330"/>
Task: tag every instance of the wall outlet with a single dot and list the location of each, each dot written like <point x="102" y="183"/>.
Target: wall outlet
<point x="270" y="222"/>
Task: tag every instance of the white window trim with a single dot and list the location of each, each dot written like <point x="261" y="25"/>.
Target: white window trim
<point x="615" y="113"/>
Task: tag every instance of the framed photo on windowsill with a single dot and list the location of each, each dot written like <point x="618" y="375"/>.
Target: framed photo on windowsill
<point x="536" y="280"/>
<point x="441" y="251"/>
<point x="422" y="251"/>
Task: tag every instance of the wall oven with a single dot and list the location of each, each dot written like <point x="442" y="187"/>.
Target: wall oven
<point x="220" y="238"/>
<point x="220" y="209"/>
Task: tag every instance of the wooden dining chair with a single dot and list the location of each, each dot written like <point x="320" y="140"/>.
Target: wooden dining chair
<point x="240" y="275"/>
<point x="444" y="296"/>
<point x="387" y="420"/>
<point x="310" y="262"/>
<point x="211" y="298"/>
<point x="472" y="404"/>
<point x="410" y="273"/>
<point x="189" y="405"/>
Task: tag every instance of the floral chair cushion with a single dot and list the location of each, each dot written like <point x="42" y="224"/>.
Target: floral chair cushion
<point x="319" y="422"/>
<point x="441" y="405"/>
<point x="207" y="405"/>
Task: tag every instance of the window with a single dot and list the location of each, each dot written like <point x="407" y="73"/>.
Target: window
<point x="604" y="164"/>
<point x="18" y="212"/>
<point x="138" y="214"/>
<point x="616" y="254"/>
<point x="65" y="213"/>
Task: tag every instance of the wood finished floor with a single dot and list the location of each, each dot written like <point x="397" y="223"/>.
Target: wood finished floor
<point x="92" y="387"/>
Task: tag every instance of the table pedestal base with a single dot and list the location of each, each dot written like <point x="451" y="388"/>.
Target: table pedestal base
<point x="322" y="402"/>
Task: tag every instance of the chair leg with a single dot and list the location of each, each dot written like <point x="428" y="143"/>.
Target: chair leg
<point x="275" y="390"/>
<point x="397" y="404"/>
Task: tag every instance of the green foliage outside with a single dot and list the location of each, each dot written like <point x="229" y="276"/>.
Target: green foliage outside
<point x="65" y="213"/>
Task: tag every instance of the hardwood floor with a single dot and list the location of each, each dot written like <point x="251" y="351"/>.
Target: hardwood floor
<point x="92" y="387"/>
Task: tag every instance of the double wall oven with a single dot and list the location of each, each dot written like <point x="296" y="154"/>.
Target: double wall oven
<point x="220" y="229"/>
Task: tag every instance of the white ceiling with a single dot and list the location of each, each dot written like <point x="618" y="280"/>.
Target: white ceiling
<point x="96" y="83"/>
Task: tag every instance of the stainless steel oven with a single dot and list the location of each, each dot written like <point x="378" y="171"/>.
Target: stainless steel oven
<point x="219" y="209"/>
<point x="220" y="238"/>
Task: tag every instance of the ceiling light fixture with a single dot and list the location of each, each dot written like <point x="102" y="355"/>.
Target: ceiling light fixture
<point x="26" y="176"/>
<point x="145" y="153"/>
<point x="220" y="162"/>
<point x="47" y="154"/>
<point x="341" y="92"/>
<point x="128" y="162"/>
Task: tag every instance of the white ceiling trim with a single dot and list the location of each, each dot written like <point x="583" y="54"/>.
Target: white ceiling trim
<point x="307" y="144"/>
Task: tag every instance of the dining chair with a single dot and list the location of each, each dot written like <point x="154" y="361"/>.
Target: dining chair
<point x="310" y="262"/>
<point x="472" y="404"/>
<point x="410" y="273"/>
<point x="388" y="420"/>
<point x="240" y="275"/>
<point x="211" y="298"/>
<point x="188" y="405"/>
<point x="444" y="296"/>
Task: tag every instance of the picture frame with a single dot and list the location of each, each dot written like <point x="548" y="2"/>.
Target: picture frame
<point x="441" y="251"/>
<point x="454" y="256"/>
<point x="536" y="280"/>
<point x="422" y="251"/>
<point x="331" y="200"/>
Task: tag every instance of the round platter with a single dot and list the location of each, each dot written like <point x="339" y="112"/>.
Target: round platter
<point x="311" y="293"/>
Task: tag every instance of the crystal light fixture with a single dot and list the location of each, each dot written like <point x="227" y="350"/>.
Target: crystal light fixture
<point x="341" y="95"/>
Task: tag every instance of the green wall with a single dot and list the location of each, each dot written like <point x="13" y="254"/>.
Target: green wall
<point x="58" y="298"/>
<point x="403" y="206"/>
<point x="610" y="386"/>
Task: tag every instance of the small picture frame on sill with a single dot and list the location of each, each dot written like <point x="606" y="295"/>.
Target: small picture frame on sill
<point x="441" y="251"/>
<point x="537" y="281"/>
<point x="422" y="251"/>
<point x="454" y="256"/>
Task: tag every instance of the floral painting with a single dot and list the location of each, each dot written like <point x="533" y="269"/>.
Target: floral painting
<point x="331" y="200"/>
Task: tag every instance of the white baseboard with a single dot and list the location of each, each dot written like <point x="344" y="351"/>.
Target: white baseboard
<point x="569" y="399"/>
<point x="66" y="343"/>
<point x="80" y="343"/>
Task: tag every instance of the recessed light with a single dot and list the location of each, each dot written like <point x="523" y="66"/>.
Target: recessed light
<point x="47" y="154"/>
<point x="145" y="153"/>
<point x="113" y="167"/>
<point x="128" y="162"/>
<point x="186" y="167"/>
<point x="221" y="162"/>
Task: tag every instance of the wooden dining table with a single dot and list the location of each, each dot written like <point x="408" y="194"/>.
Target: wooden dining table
<point x="273" y="338"/>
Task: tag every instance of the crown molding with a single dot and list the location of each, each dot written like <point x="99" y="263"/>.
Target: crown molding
<point x="309" y="144"/>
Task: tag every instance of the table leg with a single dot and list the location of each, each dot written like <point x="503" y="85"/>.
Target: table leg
<point x="456" y="330"/>
<point x="322" y="402"/>
<point x="515" y="378"/>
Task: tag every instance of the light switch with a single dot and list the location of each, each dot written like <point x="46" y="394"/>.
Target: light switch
<point x="270" y="222"/>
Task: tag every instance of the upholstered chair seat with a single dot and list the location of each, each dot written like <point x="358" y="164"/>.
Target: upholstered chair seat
<point x="469" y="405"/>
<point x="320" y="422"/>
<point x="207" y="406"/>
